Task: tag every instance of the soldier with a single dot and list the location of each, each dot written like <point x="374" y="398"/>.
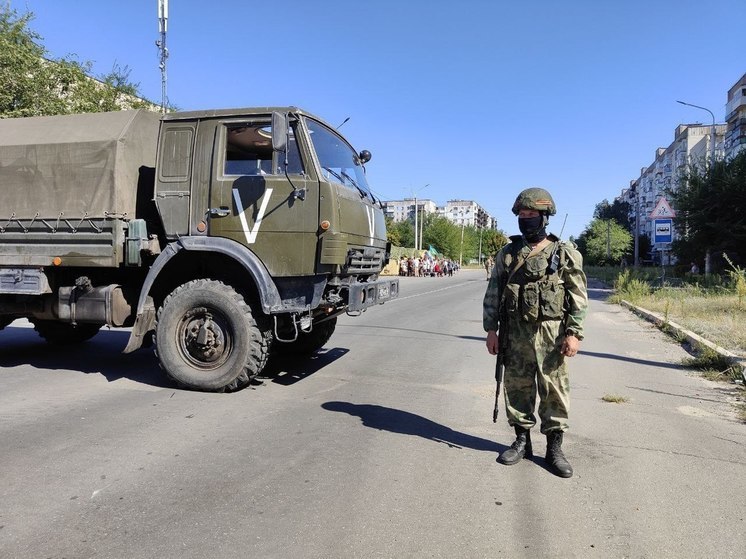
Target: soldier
<point x="534" y="308"/>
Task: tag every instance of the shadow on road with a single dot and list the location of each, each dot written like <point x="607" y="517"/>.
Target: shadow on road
<point x="598" y="293"/>
<point x="631" y="359"/>
<point x="287" y="370"/>
<point x="393" y="329"/>
<point x="99" y="355"/>
<point x="405" y="423"/>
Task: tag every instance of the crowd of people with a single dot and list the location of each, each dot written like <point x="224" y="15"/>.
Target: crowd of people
<point x="427" y="266"/>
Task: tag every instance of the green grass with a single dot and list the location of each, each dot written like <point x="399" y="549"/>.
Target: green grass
<point x="714" y="366"/>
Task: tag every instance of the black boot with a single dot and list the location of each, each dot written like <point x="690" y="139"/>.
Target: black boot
<point x="521" y="448"/>
<point x="555" y="458"/>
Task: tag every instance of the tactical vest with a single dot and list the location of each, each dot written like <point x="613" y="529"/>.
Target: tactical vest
<point x="534" y="293"/>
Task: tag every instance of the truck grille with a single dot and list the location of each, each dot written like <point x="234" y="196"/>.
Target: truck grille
<point x="364" y="261"/>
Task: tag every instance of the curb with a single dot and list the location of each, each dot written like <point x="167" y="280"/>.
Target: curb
<point x="694" y="339"/>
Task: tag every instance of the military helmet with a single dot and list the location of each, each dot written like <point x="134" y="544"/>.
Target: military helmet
<point x="535" y="199"/>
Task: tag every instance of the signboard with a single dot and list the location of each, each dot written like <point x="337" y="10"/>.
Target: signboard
<point x="662" y="210"/>
<point x="663" y="231"/>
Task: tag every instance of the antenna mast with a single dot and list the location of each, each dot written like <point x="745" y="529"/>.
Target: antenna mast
<point x="162" y="50"/>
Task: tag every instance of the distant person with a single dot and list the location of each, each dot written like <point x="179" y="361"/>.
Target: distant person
<point x="694" y="269"/>
<point x="534" y="308"/>
<point x="488" y="264"/>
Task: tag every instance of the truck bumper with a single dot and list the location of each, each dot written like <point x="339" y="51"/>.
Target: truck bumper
<point x="364" y="295"/>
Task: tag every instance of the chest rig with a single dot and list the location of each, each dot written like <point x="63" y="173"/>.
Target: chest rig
<point x="534" y="290"/>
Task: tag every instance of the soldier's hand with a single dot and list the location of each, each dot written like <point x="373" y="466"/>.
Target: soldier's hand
<point x="570" y="346"/>
<point x="492" y="341"/>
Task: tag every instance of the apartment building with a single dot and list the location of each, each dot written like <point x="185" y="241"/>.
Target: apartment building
<point x="460" y="212"/>
<point x="467" y="213"/>
<point x="401" y="210"/>
<point x="692" y="146"/>
<point x="735" y="116"/>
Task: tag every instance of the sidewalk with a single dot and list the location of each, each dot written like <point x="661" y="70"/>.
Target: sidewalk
<point x="682" y="333"/>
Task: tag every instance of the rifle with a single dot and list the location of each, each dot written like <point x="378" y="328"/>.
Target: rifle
<point x="502" y="349"/>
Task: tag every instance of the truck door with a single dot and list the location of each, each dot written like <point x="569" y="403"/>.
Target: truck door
<point x="252" y="201"/>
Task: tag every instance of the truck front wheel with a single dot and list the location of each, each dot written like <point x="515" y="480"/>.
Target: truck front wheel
<point x="206" y="337"/>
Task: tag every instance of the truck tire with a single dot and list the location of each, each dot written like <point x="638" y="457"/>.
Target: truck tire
<point x="308" y="342"/>
<point x="206" y="337"/>
<point x="64" y="333"/>
<point x="5" y="321"/>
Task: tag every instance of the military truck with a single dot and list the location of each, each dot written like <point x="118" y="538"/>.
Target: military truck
<point x="214" y="235"/>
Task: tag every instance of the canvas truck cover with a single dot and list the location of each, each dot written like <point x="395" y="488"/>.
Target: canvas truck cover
<point x="79" y="166"/>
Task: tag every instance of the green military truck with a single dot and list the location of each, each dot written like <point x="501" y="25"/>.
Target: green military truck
<point x="214" y="235"/>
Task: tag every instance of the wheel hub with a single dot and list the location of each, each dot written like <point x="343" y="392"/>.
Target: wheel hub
<point x="204" y="338"/>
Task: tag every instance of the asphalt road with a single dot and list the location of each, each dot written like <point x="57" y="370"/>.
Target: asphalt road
<point x="380" y="446"/>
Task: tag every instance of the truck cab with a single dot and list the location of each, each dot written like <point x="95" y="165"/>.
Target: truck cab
<point x="255" y="228"/>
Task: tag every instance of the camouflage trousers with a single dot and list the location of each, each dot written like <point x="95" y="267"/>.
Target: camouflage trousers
<point x="534" y="365"/>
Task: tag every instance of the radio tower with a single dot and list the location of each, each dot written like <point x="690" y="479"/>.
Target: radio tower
<point x="162" y="50"/>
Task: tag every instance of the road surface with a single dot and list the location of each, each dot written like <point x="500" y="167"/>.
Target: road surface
<point x="380" y="446"/>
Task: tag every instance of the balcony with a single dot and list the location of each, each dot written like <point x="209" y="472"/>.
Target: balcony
<point x="734" y="104"/>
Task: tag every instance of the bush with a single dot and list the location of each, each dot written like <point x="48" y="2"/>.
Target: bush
<point x="629" y="286"/>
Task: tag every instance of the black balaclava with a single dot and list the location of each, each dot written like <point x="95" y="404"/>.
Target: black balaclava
<point x="533" y="229"/>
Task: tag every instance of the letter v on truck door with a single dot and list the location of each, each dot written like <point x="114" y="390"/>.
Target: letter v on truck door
<point x="262" y="213"/>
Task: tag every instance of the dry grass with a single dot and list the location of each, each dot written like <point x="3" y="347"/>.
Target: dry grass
<point x="718" y="317"/>
<point x="615" y="399"/>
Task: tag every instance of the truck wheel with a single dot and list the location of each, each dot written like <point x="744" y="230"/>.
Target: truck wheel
<point x="308" y="342"/>
<point x="64" y="333"/>
<point x="206" y="337"/>
<point x="5" y="320"/>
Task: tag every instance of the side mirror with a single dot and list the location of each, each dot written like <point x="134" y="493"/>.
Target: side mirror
<point x="279" y="131"/>
<point x="364" y="156"/>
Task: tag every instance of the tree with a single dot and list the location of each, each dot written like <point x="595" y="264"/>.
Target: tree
<point x="492" y="242"/>
<point x="709" y="212"/>
<point x="444" y="235"/>
<point x="618" y="211"/>
<point x="33" y="84"/>
<point x="400" y="233"/>
<point x="604" y="241"/>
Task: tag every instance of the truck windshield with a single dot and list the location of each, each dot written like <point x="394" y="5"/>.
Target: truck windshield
<point x="338" y="161"/>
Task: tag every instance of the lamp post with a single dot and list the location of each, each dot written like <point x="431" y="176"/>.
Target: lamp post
<point x="712" y="133"/>
<point x="416" y="230"/>
<point x="637" y="222"/>
<point x="712" y="166"/>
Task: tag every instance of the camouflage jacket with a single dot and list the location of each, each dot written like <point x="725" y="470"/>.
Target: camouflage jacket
<point x="534" y="294"/>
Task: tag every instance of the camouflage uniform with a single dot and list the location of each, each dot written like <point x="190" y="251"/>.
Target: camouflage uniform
<point x="542" y="308"/>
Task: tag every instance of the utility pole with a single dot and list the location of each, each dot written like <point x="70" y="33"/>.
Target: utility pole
<point x="162" y="50"/>
<point x="479" y="259"/>
<point x="416" y="215"/>
<point x="608" y="241"/>
<point x="461" y="253"/>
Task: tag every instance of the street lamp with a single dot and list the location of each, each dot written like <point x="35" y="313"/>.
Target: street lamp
<point x="712" y="134"/>
<point x="712" y="167"/>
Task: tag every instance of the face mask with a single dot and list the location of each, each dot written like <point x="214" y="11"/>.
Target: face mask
<point x="532" y="228"/>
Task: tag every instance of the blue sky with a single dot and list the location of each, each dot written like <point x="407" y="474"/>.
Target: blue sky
<point x="478" y="98"/>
